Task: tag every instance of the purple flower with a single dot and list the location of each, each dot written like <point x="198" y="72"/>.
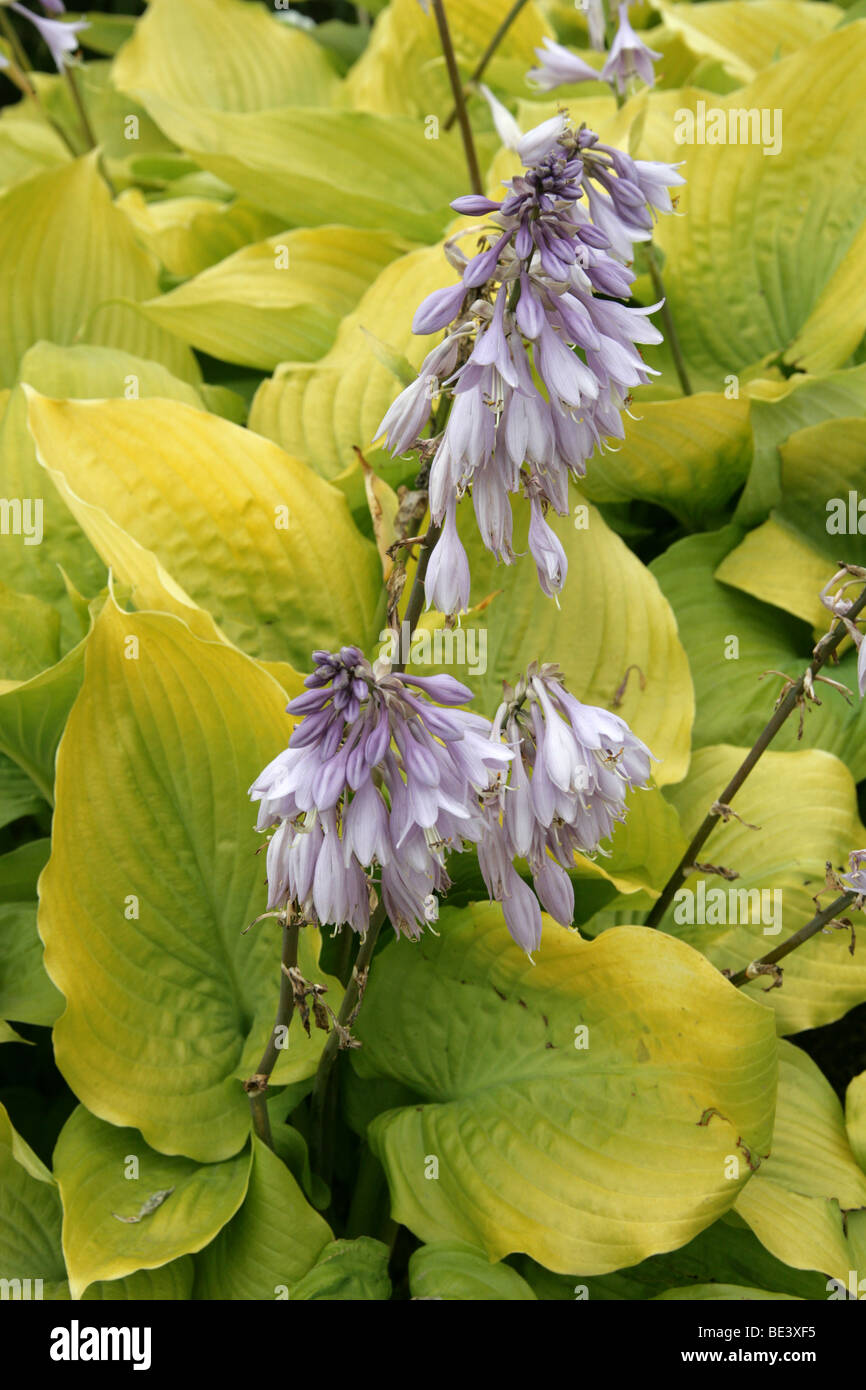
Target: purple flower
<point x="534" y="306"/>
<point x="61" y="38"/>
<point x="563" y="793"/>
<point x="596" y="22"/>
<point x="547" y="552"/>
<point x="629" y="57"/>
<point x="558" y="66"/>
<point x="411" y="410"/>
<point x="382" y="771"/>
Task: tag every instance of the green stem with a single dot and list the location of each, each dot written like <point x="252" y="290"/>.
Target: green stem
<point x="415" y="604"/>
<point x="459" y="99"/>
<point x="257" y="1086"/>
<point x="24" y="83"/>
<point x="667" y="318"/>
<point x="77" y="101"/>
<point x="822" y="652"/>
<point x="366" y="1208"/>
<point x="488" y="53"/>
<point x="785" y="948"/>
<point x="321" y="1133"/>
<point x="655" y="272"/>
<point x="89" y="133"/>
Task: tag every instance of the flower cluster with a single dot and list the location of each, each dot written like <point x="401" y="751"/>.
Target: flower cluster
<point x="562" y="794"/>
<point x="629" y="58"/>
<point x="538" y="303"/>
<point x="375" y="774"/>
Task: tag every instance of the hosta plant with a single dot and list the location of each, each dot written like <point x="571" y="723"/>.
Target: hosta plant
<point x="433" y="457"/>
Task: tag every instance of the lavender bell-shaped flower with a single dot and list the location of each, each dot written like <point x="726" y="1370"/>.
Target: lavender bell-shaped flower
<point x="558" y="66"/>
<point x="595" y="18"/>
<point x="629" y="57"/>
<point x="61" y="38"/>
<point x="376" y="776"/>
<point x="563" y="793"/>
<point x="536" y="304"/>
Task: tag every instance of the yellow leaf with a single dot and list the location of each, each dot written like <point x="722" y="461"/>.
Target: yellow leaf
<point x="245" y="530"/>
<point x="226" y="55"/>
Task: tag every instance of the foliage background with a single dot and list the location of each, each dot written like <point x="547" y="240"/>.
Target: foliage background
<point x="166" y="390"/>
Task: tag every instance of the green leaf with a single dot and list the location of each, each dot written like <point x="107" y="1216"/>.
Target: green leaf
<point x="586" y="1157"/>
<point x="86" y="372"/>
<point x="776" y="565"/>
<point x="271" y="1243"/>
<point x="402" y="71"/>
<point x="163" y="992"/>
<point x="320" y="411"/>
<point x="20" y="870"/>
<point x="806" y="807"/>
<point x="18" y="795"/>
<point x="732" y="640"/>
<point x="73" y="251"/>
<point x="777" y="411"/>
<point x="226" y="55"/>
<point x="748" y="35"/>
<point x="317" y="167"/>
<point x="456" y="1272"/>
<point x="726" y="1253"/>
<point x="188" y="234"/>
<point x="246" y="530"/>
<point x="281" y="299"/>
<point x="811" y="1152"/>
<point x="8" y="1034"/>
<point x="28" y="145"/>
<point x="838" y="320"/>
<point x="347" y="1271"/>
<point x="639" y="849"/>
<point x="855" y="1117"/>
<point x="105" y="1173"/>
<point x="687" y="455"/>
<point x="613" y="617"/>
<point x="170" y="1283"/>
<point x="823" y="466"/>
<point x="26" y="993"/>
<point x="33" y="714"/>
<point x="764" y="232"/>
<point x="715" y="1293"/>
<point x="29" y="1214"/>
<point x="29" y="635"/>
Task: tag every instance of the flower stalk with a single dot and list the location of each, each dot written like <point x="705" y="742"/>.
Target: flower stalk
<point x="799" y="690"/>
<point x="459" y="98"/>
<point x="481" y="67"/>
<point x="765" y="965"/>
<point x="321" y="1135"/>
<point x="257" y="1085"/>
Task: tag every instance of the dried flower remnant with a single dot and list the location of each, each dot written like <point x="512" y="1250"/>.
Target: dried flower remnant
<point x="855" y="879"/>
